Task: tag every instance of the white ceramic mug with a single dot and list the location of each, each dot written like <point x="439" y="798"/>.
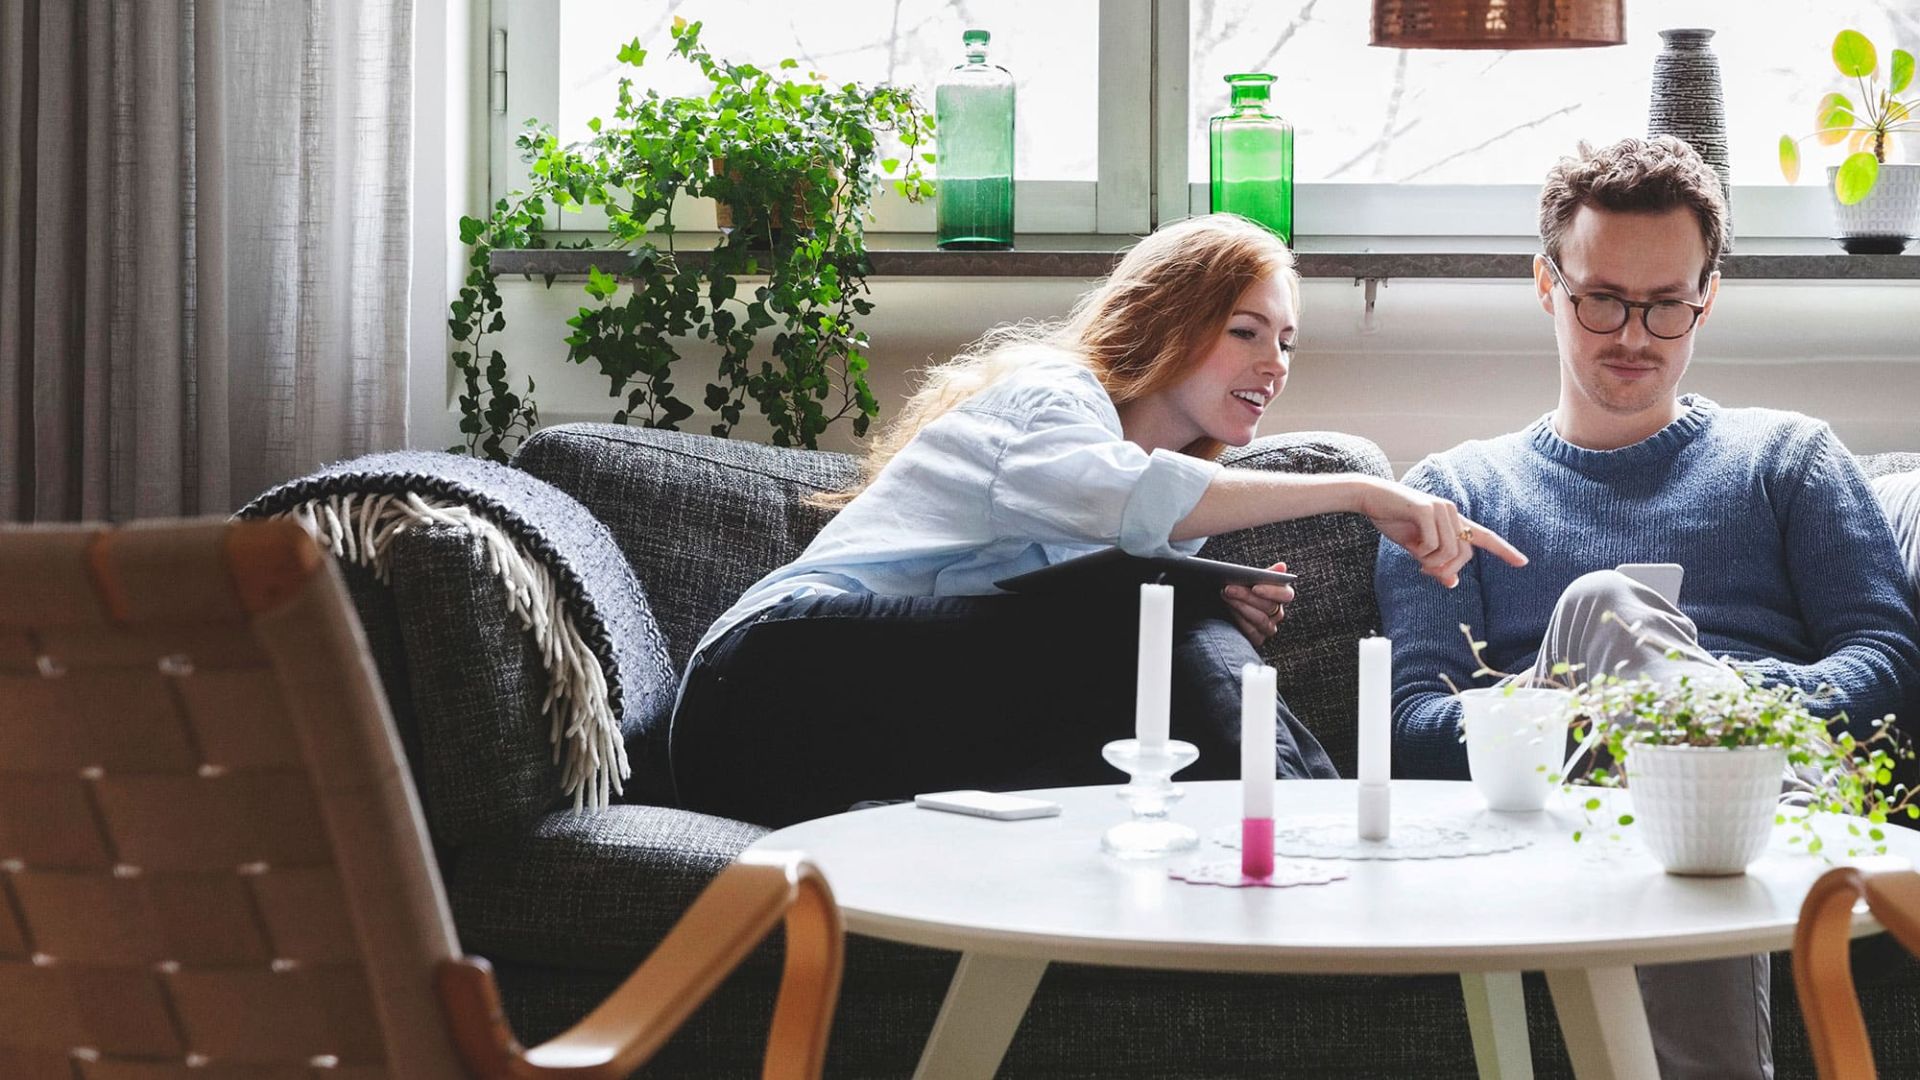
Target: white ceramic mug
<point x="1516" y="743"/>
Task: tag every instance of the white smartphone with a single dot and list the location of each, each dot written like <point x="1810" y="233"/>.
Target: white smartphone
<point x="1661" y="577"/>
<point x="987" y="804"/>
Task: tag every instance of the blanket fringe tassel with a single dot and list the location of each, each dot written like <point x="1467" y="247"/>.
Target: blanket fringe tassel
<point x="585" y="734"/>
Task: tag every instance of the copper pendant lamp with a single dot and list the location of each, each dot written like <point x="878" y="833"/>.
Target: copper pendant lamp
<point x="1498" y="24"/>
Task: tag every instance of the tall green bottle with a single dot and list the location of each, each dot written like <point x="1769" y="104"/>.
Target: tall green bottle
<point x="973" y="123"/>
<point x="1251" y="157"/>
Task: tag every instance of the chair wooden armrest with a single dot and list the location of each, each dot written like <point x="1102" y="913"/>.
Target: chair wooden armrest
<point x="737" y="910"/>
<point x="1822" y="967"/>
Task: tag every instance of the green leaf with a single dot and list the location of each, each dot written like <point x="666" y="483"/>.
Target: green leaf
<point x="1833" y="118"/>
<point x="631" y="53"/>
<point x="887" y="165"/>
<point x="1856" y="177"/>
<point x="599" y="285"/>
<point x="1902" y="72"/>
<point x="1626" y="819"/>
<point x="1853" y="54"/>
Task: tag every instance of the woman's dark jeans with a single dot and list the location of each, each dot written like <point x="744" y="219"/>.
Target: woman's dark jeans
<point x="825" y="701"/>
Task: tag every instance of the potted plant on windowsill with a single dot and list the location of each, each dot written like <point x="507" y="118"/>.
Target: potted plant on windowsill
<point x="1876" y="202"/>
<point x="795" y="159"/>
<point x="1713" y="765"/>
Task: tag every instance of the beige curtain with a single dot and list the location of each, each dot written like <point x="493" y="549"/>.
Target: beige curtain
<point x="203" y="248"/>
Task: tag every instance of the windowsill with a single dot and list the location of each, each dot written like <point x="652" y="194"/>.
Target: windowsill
<point x="903" y="255"/>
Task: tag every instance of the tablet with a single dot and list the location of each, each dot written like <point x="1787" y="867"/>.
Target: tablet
<point x="1114" y="567"/>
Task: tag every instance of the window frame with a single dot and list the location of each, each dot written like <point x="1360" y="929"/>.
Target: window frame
<point x="1142" y="163"/>
<point x="1118" y="201"/>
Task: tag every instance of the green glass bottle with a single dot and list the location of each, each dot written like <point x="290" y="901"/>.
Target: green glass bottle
<point x="973" y="123"/>
<point x="1251" y="157"/>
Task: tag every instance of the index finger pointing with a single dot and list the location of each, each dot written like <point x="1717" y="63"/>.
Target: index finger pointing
<point x="1488" y="540"/>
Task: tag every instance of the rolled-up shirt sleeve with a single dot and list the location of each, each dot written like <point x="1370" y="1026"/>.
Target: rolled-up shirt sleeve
<point x="1066" y="477"/>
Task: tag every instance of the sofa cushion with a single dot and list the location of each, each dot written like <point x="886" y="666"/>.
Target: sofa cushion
<point x="1899" y="495"/>
<point x="1895" y="461"/>
<point x="1314" y="653"/>
<point x="589" y="891"/>
<point x="700" y="519"/>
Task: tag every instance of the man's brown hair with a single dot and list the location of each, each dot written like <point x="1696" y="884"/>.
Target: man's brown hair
<point x="1635" y="176"/>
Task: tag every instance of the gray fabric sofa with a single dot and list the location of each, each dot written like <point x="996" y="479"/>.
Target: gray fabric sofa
<point x="565" y="904"/>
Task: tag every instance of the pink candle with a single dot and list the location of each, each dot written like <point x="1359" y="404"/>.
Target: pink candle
<point x="1257" y="690"/>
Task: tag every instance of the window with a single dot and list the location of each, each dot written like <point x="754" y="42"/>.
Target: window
<point x="1113" y="111"/>
<point x="562" y="68"/>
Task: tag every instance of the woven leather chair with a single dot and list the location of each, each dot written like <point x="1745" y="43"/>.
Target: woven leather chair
<point x="1822" y="968"/>
<point x="212" y="862"/>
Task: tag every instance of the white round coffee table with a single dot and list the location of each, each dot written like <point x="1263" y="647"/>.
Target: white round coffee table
<point x="1012" y="896"/>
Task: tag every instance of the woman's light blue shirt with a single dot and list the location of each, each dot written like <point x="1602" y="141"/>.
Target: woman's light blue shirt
<point x="1031" y="471"/>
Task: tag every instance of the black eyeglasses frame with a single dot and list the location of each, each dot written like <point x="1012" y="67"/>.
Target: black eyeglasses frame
<point x="1626" y="308"/>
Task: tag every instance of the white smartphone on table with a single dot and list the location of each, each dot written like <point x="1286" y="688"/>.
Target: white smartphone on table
<point x="1661" y="577"/>
<point x="987" y="804"/>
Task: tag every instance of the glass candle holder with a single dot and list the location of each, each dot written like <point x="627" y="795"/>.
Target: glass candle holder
<point x="1150" y="794"/>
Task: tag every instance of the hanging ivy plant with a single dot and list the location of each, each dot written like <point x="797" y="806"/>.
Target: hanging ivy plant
<point x="794" y="160"/>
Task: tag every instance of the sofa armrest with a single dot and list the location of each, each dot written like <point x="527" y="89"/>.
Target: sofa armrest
<point x="467" y="683"/>
<point x="484" y="762"/>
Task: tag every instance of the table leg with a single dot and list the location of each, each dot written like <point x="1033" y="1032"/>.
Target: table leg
<point x="1497" y="1017"/>
<point x="985" y="1001"/>
<point x="1604" y="1023"/>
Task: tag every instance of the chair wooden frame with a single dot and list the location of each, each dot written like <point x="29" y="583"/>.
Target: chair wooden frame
<point x="268" y="586"/>
<point x="1822" y="966"/>
<point x="734" y="914"/>
<point x="736" y="911"/>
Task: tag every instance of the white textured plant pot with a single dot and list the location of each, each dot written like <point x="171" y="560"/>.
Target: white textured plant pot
<point x="1516" y="743"/>
<point x="1889" y="215"/>
<point x="1705" y="810"/>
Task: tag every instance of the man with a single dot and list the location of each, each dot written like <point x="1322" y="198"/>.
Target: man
<point x="1790" y="568"/>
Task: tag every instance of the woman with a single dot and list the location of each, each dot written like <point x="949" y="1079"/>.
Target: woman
<point x="1035" y="446"/>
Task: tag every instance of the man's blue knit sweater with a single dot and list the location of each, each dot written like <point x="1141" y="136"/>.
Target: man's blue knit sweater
<point x="1791" y="568"/>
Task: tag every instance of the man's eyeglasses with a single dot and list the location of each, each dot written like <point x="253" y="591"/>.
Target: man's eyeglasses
<point x="1605" y="313"/>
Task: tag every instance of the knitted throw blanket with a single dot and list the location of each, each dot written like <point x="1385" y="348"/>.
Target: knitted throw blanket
<point x="566" y="581"/>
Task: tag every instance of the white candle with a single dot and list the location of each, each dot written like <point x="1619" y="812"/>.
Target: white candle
<point x="1376" y="721"/>
<point x="1256" y="740"/>
<point x="1153" y="694"/>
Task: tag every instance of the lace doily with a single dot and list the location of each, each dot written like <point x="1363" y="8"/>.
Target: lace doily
<point x="1333" y="836"/>
<point x="1286" y="874"/>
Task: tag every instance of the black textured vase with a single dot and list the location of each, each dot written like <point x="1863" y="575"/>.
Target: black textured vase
<point x="1687" y="104"/>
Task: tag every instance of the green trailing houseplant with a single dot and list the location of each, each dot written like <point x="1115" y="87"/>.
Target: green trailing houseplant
<point x="1866" y="125"/>
<point x="795" y="159"/>
<point x="1833" y="772"/>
